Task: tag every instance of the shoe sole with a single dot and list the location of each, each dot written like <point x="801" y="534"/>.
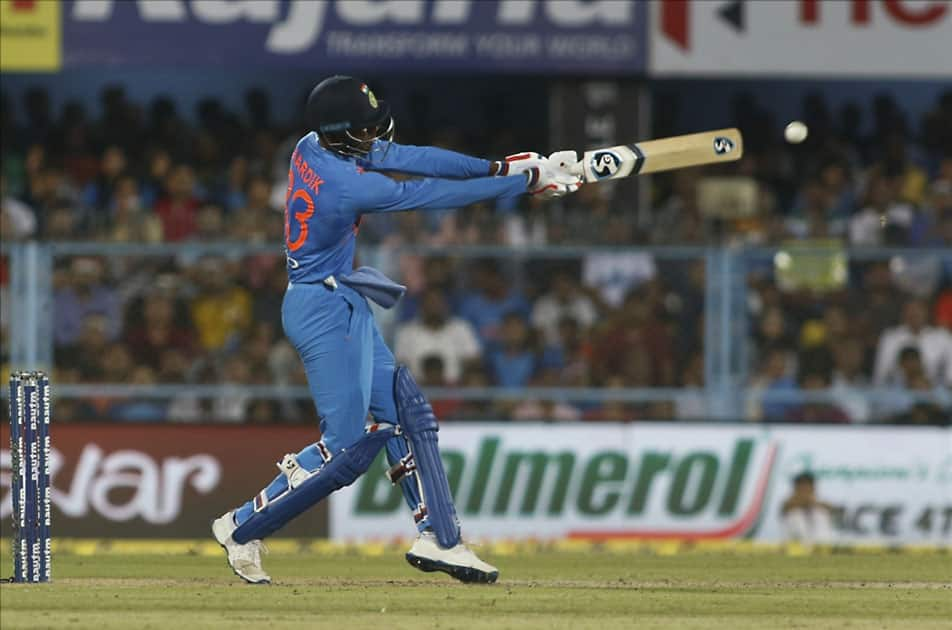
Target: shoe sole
<point x="225" y="549"/>
<point x="469" y="575"/>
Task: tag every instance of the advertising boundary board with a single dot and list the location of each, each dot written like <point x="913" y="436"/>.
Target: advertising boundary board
<point x="159" y="480"/>
<point x="508" y="36"/>
<point x="800" y="38"/>
<point x="650" y="481"/>
<point x="587" y="481"/>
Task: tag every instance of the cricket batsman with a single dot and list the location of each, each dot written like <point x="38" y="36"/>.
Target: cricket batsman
<point x="333" y="181"/>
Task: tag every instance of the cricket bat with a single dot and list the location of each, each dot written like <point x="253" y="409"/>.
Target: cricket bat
<point x="664" y="154"/>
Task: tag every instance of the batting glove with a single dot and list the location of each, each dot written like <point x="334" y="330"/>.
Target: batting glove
<point x="548" y="181"/>
<point x="517" y="163"/>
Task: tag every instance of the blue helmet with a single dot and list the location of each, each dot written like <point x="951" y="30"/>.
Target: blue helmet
<point x="348" y="116"/>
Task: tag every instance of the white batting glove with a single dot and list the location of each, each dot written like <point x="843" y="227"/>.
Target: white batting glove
<point x="518" y="163"/>
<point x="548" y="182"/>
<point x="565" y="162"/>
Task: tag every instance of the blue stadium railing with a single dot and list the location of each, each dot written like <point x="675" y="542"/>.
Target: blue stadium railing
<point x="725" y="395"/>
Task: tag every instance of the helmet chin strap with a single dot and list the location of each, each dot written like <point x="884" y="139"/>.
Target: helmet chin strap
<point x="352" y="146"/>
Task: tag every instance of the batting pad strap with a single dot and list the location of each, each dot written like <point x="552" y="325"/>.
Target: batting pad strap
<point x="420" y="427"/>
<point x="324" y="452"/>
<point x="260" y="501"/>
<point x="398" y="448"/>
<point x="341" y="470"/>
<point x="399" y="471"/>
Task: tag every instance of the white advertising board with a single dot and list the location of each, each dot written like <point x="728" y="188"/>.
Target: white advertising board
<point x="660" y="481"/>
<point x="896" y="38"/>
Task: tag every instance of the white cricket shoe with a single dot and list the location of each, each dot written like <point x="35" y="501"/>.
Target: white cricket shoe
<point x="459" y="561"/>
<point x="245" y="560"/>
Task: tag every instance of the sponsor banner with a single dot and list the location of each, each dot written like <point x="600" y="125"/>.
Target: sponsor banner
<point x="380" y="35"/>
<point x="901" y="38"/>
<point x="29" y="36"/>
<point x="164" y="481"/>
<point x="658" y="481"/>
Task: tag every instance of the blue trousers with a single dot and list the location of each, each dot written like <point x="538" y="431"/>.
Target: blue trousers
<point x="349" y="372"/>
<point x="349" y="367"/>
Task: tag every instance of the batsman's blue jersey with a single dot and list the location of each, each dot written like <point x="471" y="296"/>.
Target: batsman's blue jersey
<point x="328" y="193"/>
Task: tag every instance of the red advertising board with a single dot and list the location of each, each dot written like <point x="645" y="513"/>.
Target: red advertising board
<point x="167" y="481"/>
<point x="873" y="38"/>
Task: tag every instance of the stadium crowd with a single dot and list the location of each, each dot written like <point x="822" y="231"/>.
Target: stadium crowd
<point x="609" y="319"/>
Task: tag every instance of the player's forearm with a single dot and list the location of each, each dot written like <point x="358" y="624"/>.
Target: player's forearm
<point x="441" y="194"/>
<point x="428" y="162"/>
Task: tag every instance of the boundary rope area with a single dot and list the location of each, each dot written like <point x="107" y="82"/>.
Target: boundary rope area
<point x="95" y="547"/>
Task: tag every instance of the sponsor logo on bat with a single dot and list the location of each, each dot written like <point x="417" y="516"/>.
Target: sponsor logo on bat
<point x="723" y="145"/>
<point x="605" y="164"/>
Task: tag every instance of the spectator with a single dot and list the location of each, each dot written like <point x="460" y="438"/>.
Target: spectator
<point x="652" y="338"/>
<point x="60" y="224"/>
<point x="437" y="273"/>
<point x="257" y="221"/>
<point x="692" y="405"/>
<point x="474" y="375"/>
<point x="568" y="362"/>
<point x="159" y="165"/>
<point x="612" y="410"/>
<point x="943" y="309"/>
<point x="814" y="213"/>
<point x="436" y="333"/>
<point x="85" y="294"/>
<point x="50" y="191"/>
<point x="433" y="374"/>
<point x="159" y="325"/>
<point x="17" y="219"/>
<point x="812" y="410"/>
<point x="115" y="363"/>
<point x="512" y="360"/>
<point x="232" y="405"/>
<point x="919" y="411"/>
<point x="222" y="310"/>
<point x="805" y="518"/>
<point x="773" y="330"/>
<point x="910" y="179"/>
<point x="98" y="194"/>
<point x="209" y="224"/>
<point x="141" y="409"/>
<point x="131" y="222"/>
<point x="883" y="208"/>
<point x="565" y="299"/>
<point x="635" y="343"/>
<point x="546" y="410"/>
<point x="934" y="346"/>
<point x="494" y="296"/>
<point x="84" y="354"/>
<point x="772" y="378"/>
<point x="849" y="376"/>
<point x="271" y="358"/>
<point x="178" y="206"/>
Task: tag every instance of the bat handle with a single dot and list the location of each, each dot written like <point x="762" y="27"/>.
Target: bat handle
<point x="567" y="160"/>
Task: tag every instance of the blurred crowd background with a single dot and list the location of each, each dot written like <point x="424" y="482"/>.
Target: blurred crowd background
<point x="145" y="172"/>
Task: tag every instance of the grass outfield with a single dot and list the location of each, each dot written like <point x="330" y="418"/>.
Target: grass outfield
<point x="185" y="586"/>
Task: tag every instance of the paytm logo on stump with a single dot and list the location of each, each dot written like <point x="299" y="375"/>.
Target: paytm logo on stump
<point x="297" y="24"/>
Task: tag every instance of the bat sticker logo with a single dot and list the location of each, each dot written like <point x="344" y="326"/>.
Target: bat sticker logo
<point x="723" y="145"/>
<point x="605" y="164"/>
